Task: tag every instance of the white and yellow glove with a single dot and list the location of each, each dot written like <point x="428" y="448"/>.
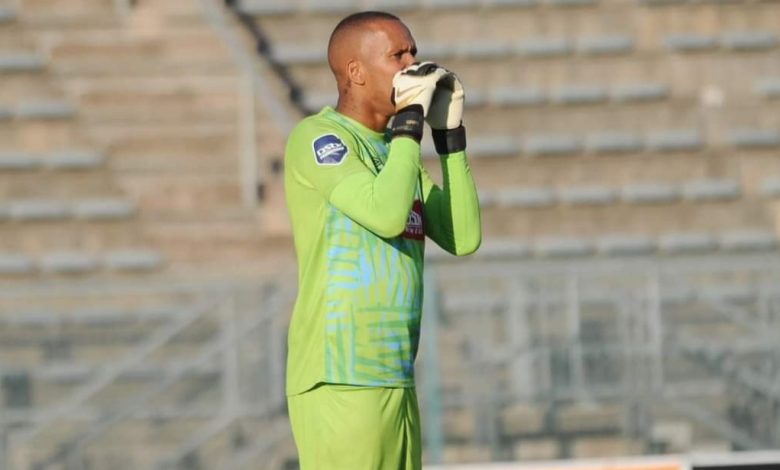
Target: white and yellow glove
<point x="446" y="110"/>
<point x="413" y="89"/>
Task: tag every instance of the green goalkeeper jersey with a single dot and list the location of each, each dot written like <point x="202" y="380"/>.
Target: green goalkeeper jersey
<point x="360" y="206"/>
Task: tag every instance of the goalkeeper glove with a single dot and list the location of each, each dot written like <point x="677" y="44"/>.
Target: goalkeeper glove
<point x="446" y="115"/>
<point x="413" y="89"/>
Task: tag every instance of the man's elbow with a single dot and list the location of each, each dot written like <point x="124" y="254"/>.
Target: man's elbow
<point x="469" y="245"/>
<point x="391" y="226"/>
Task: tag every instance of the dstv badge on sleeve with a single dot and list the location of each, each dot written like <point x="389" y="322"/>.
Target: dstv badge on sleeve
<point x="329" y="149"/>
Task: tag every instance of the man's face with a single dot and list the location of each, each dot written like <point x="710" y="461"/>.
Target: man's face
<point x="391" y="48"/>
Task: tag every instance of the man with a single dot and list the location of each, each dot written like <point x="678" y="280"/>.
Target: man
<point x="361" y="205"/>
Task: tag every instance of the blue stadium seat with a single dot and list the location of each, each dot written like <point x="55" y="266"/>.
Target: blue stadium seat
<point x="133" y="260"/>
<point x="45" y="110"/>
<point x="649" y="193"/>
<point x="38" y="209"/>
<point x="613" y="142"/>
<point x="619" y="244"/>
<point x="711" y="189"/>
<point x="21" y="62"/>
<point x="754" y="138"/>
<point x="15" y="263"/>
<point x="748" y="40"/>
<point x="748" y="240"/>
<point x="527" y="197"/>
<point x="551" y="145"/>
<point x="563" y="247"/>
<point x="103" y="209"/>
<point x="606" y="45"/>
<point x="587" y="195"/>
<point x="68" y="262"/>
<point x="580" y="94"/>
<point x="517" y="96"/>
<point x="18" y="161"/>
<point x="768" y="87"/>
<point x="771" y="186"/>
<point x="687" y="242"/>
<point x="648" y="91"/>
<point x="544" y="47"/>
<point x="674" y="141"/>
<point x="690" y="42"/>
<point x="73" y="160"/>
<point x="266" y="7"/>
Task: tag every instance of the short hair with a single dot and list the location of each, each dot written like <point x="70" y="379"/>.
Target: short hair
<point x="359" y="19"/>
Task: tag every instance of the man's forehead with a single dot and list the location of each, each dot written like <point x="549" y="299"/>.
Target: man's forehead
<point x="394" y="33"/>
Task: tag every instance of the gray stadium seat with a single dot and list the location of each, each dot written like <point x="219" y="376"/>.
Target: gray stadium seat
<point x="771" y="186"/>
<point x="748" y="40"/>
<point x="38" y="209"/>
<point x="649" y="193"/>
<point x="6" y="113"/>
<point x="484" y="49"/>
<point x="689" y="42"/>
<point x="18" y="161"/>
<point x="7" y="14"/>
<point x="266" y="7"/>
<point x="133" y="260"/>
<point x="67" y="262"/>
<point x="504" y="248"/>
<point x="451" y="4"/>
<point x="687" y="242"/>
<point x="517" y="96"/>
<point x="571" y="3"/>
<point x="487" y="198"/>
<point x="436" y="50"/>
<point x="580" y="94"/>
<point x="648" y="91"/>
<point x="754" y="138"/>
<point x="20" y="63"/>
<point x="544" y="47"/>
<point x="511" y="3"/>
<point x="104" y="209"/>
<point x="476" y="98"/>
<point x="768" y="87"/>
<point x="606" y="45"/>
<point x="587" y="195"/>
<point x="393" y="5"/>
<point x="711" y="189"/>
<point x="674" y="141"/>
<point x="563" y="247"/>
<point x="748" y="240"/>
<point x="315" y="101"/>
<point x="45" y="110"/>
<point x="653" y="3"/>
<point x="15" y="263"/>
<point x="494" y="146"/>
<point x="613" y="142"/>
<point x="299" y="54"/>
<point x="330" y="6"/>
<point x="527" y="197"/>
<point x="618" y="244"/>
<point x="73" y="160"/>
<point x="551" y="145"/>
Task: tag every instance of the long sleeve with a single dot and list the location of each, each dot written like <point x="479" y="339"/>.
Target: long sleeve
<point x="452" y="217"/>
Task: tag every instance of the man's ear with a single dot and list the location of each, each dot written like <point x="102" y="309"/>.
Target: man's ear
<point x="355" y="73"/>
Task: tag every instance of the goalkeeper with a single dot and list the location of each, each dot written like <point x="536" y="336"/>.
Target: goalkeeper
<point x="361" y="205"/>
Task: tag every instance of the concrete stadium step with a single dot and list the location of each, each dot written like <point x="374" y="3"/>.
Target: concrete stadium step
<point x="64" y="185"/>
<point x="71" y="13"/>
<point x="163" y="194"/>
<point x="596" y="447"/>
<point x="26" y="87"/>
<point x="48" y="236"/>
<point x="42" y="135"/>
<point x="537" y="449"/>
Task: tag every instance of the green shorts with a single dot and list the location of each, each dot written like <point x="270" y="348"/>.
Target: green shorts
<point x="345" y="427"/>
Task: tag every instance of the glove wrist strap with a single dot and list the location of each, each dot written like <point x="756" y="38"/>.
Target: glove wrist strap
<point x="409" y="122"/>
<point x="449" y="141"/>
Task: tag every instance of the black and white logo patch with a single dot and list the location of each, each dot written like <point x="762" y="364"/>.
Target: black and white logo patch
<point x="329" y="150"/>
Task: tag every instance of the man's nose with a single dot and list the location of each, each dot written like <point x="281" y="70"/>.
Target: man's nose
<point x="408" y="60"/>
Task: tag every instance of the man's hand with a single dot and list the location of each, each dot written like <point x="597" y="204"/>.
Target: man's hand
<point x="446" y="111"/>
<point x="415" y="85"/>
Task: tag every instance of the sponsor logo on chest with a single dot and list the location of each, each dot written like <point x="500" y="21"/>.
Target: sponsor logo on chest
<point x="415" y="225"/>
